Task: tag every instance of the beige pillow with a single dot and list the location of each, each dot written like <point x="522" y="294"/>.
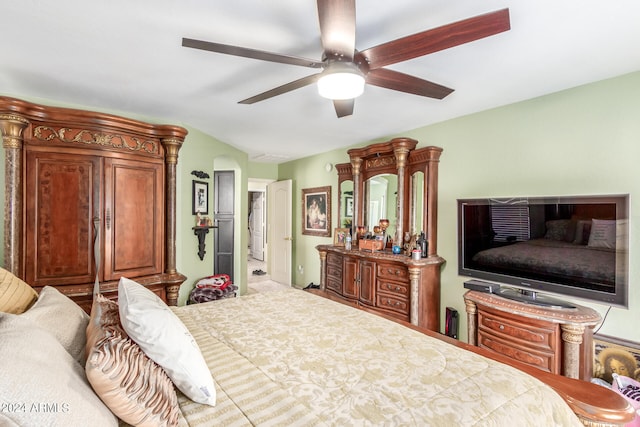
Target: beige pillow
<point x="42" y="384"/>
<point x="15" y="295"/>
<point x="134" y="387"/>
<point x="63" y="318"/>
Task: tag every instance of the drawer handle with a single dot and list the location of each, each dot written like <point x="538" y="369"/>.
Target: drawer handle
<point x="391" y="288"/>
<point x="501" y="327"/>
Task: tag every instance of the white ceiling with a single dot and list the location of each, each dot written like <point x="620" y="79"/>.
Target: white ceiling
<point x="126" y="55"/>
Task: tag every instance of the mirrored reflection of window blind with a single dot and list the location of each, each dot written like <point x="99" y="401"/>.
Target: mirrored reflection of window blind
<point x="510" y="222"/>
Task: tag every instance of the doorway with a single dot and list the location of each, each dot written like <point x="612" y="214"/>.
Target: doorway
<point x="256" y="256"/>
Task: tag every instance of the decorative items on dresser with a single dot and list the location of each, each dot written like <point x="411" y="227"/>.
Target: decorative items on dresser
<point x="390" y="187"/>
<point x="557" y="340"/>
<point x="78" y="178"/>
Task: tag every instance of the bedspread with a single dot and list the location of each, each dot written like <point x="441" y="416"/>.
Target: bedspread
<point x="292" y="358"/>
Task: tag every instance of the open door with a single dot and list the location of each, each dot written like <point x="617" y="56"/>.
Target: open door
<point x="280" y="234"/>
<point x="256" y="225"/>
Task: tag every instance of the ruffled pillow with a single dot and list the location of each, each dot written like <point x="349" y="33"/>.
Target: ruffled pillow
<point x="133" y="386"/>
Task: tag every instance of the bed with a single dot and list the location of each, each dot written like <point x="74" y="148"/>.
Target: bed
<point x="287" y="357"/>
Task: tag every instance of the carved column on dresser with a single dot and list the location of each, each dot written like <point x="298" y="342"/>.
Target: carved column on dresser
<point x="572" y="338"/>
<point x="12" y="127"/>
<point x="414" y="280"/>
<point x="323" y="270"/>
<point x="431" y="197"/>
<point x="472" y="312"/>
<point x="401" y="152"/>
<point x="357" y="211"/>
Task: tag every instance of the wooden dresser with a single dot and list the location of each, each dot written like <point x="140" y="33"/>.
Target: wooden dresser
<point x="80" y="184"/>
<point x="393" y="284"/>
<point x="557" y="340"/>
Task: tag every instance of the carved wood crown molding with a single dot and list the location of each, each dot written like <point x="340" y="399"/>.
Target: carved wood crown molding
<point x="88" y="137"/>
<point x="379" y="162"/>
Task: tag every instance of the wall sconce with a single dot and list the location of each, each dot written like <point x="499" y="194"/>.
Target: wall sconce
<point x="200" y="174"/>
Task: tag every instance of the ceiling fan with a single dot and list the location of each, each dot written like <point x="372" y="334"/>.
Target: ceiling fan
<point x="342" y="64"/>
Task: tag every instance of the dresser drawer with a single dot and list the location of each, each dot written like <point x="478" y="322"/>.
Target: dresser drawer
<point x="393" y="303"/>
<point x="334" y="284"/>
<point x="399" y="290"/>
<point x="334" y="260"/>
<point x="538" y="335"/>
<point x="545" y="360"/>
<point x="393" y="272"/>
<point x="335" y="272"/>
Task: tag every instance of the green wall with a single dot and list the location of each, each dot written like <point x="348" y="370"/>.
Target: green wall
<point x="579" y="141"/>
<point x="202" y="152"/>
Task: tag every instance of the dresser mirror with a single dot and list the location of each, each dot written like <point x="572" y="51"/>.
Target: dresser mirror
<point x="391" y="180"/>
<point x="416" y="192"/>
<point x="380" y="201"/>
<point x="345" y="204"/>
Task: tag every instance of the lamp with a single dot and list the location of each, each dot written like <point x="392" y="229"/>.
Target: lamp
<point x="341" y="80"/>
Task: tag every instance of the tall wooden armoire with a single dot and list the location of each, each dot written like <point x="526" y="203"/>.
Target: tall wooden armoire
<point x="87" y="191"/>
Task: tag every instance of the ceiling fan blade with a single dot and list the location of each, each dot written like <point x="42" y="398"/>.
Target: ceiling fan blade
<point x="344" y="107"/>
<point x="437" y="39"/>
<point x="390" y="79"/>
<point x="296" y="84"/>
<point x="338" y="27"/>
<point x="250" y="53"/>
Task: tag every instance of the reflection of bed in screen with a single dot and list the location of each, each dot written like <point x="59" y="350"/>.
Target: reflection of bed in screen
<point x="545" y="259"/>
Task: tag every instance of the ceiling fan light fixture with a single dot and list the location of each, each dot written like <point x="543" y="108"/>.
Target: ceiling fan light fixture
<point x="341" y="80"/>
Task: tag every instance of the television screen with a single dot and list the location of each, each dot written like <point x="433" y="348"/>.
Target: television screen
<point x="574" y="246"/>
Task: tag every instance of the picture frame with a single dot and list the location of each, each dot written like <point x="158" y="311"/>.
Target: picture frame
<point x="340" y="236"/>
<point x="348" y="206"/>
<point x="316" y="211"/>
<point x="200" y="197"/>
<point x="613" y="354"/>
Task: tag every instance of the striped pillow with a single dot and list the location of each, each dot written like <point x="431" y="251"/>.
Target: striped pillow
<point x="133" y="386"/>
<point x="15" y="295"/>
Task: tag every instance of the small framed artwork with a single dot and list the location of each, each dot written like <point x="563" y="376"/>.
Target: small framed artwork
<point x="348" y="206"/>
<point x="340" y="236"/>
<point x="200" y="197"/>
<point x="316" y="211"/>
<point x="615" y="355"/>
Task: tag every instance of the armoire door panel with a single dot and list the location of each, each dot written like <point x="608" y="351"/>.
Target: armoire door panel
<point x="63" y="199"/>
<point x="133" y="218"/>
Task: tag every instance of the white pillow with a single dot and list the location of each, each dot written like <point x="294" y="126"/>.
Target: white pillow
<point x="41" y="384"/>
<point x="603" y="234"/>
<point x="59" y="315"/>
<point x="164" y="338"/>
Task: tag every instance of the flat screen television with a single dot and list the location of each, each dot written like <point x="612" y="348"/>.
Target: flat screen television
<point x="573" y="246"/>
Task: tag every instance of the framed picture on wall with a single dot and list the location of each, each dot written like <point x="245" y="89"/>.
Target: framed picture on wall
<point x="200" y="197"/>
<point x="316" y="211"/>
